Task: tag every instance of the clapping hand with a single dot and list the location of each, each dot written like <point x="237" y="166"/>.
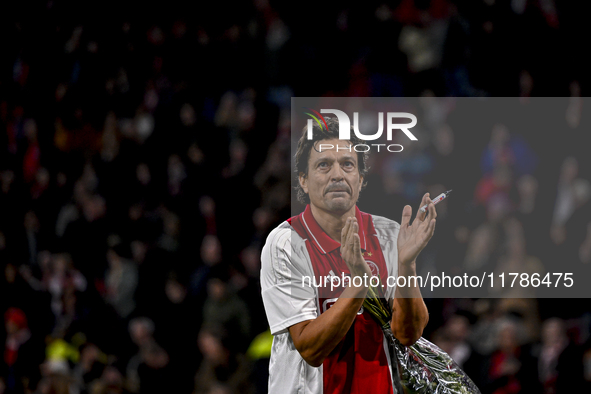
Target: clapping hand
<point x="413" y="238"/>
<point x="351" y="249"/>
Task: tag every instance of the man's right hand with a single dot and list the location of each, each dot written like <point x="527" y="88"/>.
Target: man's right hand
<point x="351" y="249"/>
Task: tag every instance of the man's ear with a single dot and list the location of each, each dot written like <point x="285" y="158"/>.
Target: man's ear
<point x="303" y="179"/>
<point x="360" y="183"/>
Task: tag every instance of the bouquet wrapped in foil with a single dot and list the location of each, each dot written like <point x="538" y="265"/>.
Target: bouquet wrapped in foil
<point x="421" y="368"/>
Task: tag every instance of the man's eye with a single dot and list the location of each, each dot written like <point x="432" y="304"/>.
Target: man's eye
<point x="323" y="164"/>
<point x="348" y="164"/>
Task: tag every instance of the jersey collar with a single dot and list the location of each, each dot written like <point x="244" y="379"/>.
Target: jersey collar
<point x="319" y="237"/>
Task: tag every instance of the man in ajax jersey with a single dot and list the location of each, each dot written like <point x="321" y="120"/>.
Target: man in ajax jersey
<point x="324" y="342"/>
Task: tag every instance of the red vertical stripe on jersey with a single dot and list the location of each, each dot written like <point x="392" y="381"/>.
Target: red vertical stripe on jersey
<point x="358" y="364"/>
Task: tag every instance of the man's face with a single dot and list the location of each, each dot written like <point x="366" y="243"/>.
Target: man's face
<point x="333" y="182"/>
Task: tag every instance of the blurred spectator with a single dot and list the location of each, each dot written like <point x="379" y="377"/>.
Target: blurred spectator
<point x="61" y="279"/>
<point x="516" y="260"/>
<point x="506" y="150"/>
<point x="110" y="382"/>
<point x="211" y="256"/>
<point x="573" y="192"/>
<point x="120" y="281"/>
<point x="90" y="366"/>
<point x="510" y="368"/>
<point x="481" y="247"/>
<point x="453" y="339"/>
<point x="554" y="341"/>
<point x="21" y="354"/>
<point x="149" y="370"/>
<point x="225" y="311"/>
<point x="529" y="209"/>
<point x="207" y="208"/>
<point x="222" y="371"/>
<point x="560" y="364"/>
<point x="169" y="240"/>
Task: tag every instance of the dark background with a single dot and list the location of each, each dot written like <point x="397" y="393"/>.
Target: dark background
<point x="145" y="156"/>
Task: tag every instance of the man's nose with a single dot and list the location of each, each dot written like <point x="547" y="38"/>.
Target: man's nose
<point x="337" y="174"/>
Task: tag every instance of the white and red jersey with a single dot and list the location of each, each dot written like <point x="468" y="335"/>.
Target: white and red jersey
<point x="297" y="250"/>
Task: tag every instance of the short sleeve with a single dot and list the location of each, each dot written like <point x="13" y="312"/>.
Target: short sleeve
<point x="283" y="269"/>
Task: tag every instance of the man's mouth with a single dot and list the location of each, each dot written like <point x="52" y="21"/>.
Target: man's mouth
<point x="337" y="191"/>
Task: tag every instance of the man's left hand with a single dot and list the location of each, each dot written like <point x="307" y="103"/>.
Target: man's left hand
<point x="413" y="238"/>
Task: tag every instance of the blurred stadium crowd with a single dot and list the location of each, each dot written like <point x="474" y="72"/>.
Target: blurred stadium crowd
<point x="144" y="159"/>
